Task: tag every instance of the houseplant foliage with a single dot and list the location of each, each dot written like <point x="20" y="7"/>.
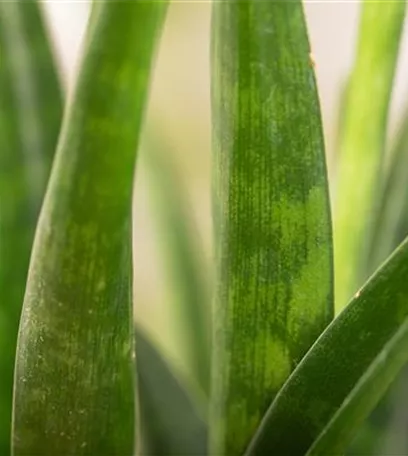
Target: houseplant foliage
<point x="377" y="55"/>
<point x="286" y="376"/>
<point x="31" y="106"/>
<point x="273" y="232"/>
<point x="81" y="329"/>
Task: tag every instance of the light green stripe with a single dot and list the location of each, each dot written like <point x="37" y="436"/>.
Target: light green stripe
<point x="362" y="143"/>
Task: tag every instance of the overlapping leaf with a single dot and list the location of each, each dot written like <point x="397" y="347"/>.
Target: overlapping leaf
<point x="346" y="371"/>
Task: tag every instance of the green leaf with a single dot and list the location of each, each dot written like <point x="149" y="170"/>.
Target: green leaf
<point x="273" y="252"/>
<point x="184" y="262"/>
<point x="390" y="228"/>
<point x="373" y="436"/>
<point x="346" y="371"/>
<point x="74" y="385"/>
<point x="360" y="402"/>
<point x="383" y="432"/>
<point x="170" y="422"/>
<point x="30" y="115"/>
<point x="341" y="113"/>
<point x="363" y="141"/>
<point x="391" y="225"/>
<point x="395" y="438"/>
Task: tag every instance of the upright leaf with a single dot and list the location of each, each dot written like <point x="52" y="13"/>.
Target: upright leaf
<point x="363" y="141"/>
<point x="30" y="115"/>
<point x="273" y="292"/>
<point x="170" y="422"/>
<point x="391" y="225"/>
<point x="74" y="379"/>
<point x="184" y="263"/>
<point x="346" y="371"/>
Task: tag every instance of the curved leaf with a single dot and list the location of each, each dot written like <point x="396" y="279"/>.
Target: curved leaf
<point x="74" y="381"/>
<point x="273" y="292"/>
<point x="360" y="402"/>
<point x="363" y="141"/>
<point x="348" y="367"/>
<point x="169" y="420"/>
<point x="30" y="115"/>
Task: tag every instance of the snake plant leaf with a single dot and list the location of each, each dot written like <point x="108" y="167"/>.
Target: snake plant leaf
<point x="74" y="378"/>
<point x="336" y="436"/>
<point x="30" y="115"/>
<point x="170" y="422"/>
<point x="273" y="290"/>
<point x="184" y="262"/>
<point x="337" y="383"/>
<point x="362" y="143"/>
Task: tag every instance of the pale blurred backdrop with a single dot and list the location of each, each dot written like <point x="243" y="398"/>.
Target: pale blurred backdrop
<point x="180" y="109"/>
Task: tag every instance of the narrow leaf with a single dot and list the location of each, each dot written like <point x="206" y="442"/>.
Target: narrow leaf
<point x="379" y="432"/>
<point x="360" y="402"/>
<point x="170" y="422"/>
<point x="390" y="229"/>
<point x="273" y="292"/>
<point x="338" y="382"/>
<point x="30" y="115"/>
<point x="391" y="225"/>
<point x="74" y="382"/>
<point x="184" y="262"/>
<point x="395" y="438"/>
<point x="372" y="436"/>
<point x="363" y="141"/>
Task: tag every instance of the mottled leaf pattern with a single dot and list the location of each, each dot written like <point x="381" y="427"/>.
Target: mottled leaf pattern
<point x="273" y="248"/>
<point x="74" y="386"/>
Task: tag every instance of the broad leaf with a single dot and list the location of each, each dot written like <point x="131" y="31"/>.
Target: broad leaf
<point x="345" y="372"/>
<point x="362" y="142"/>
<point x="74" y="389"/>
<point x="170" y="422"/>
<point x="273" y="251"/>
<point x="30" y="115"/>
